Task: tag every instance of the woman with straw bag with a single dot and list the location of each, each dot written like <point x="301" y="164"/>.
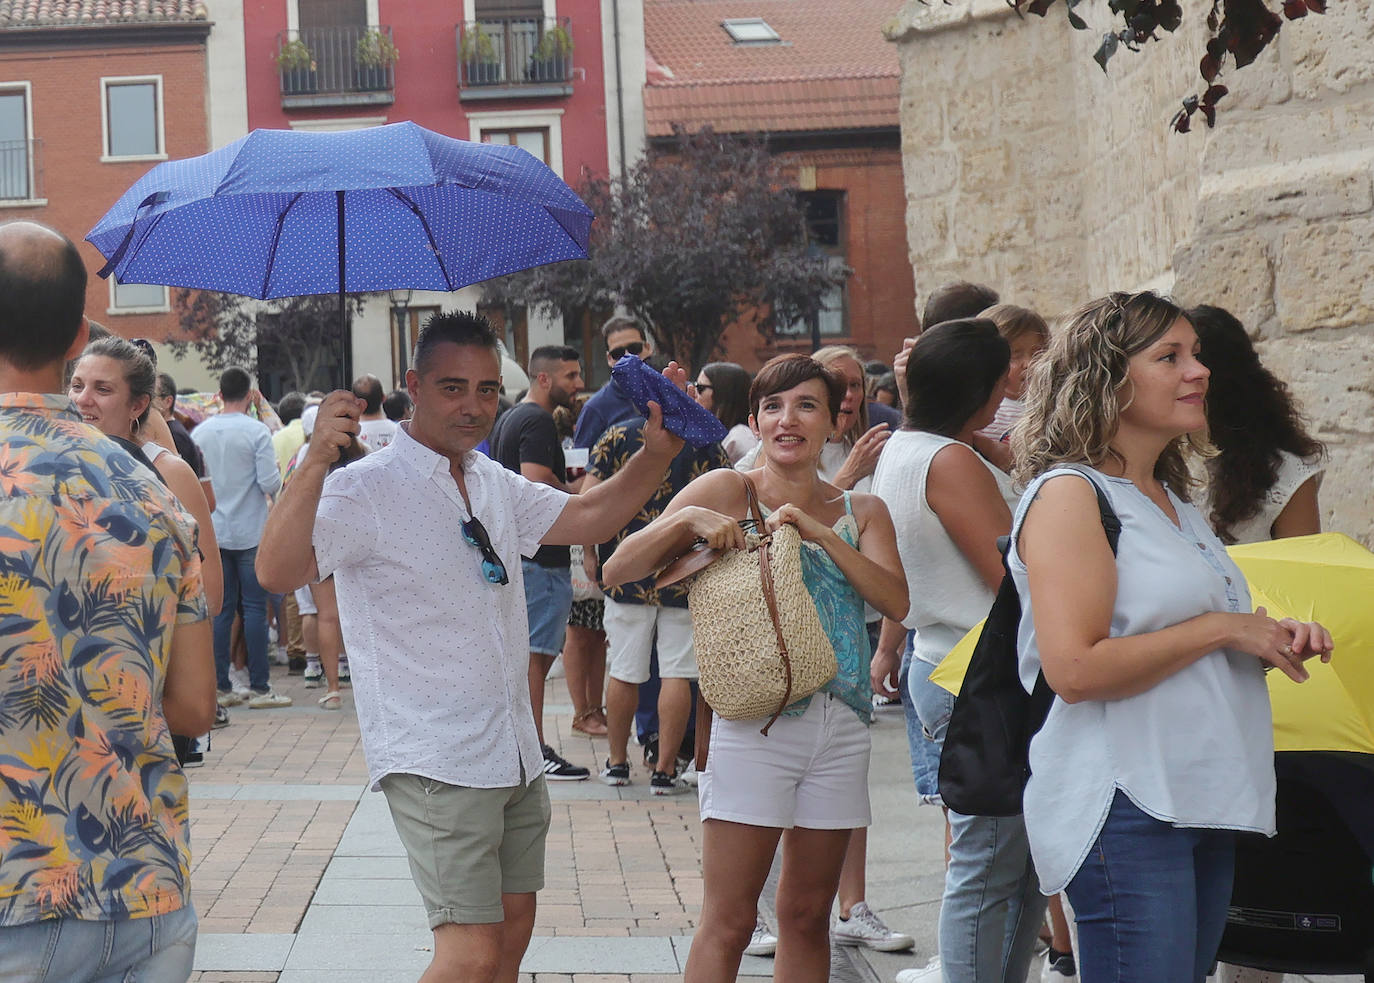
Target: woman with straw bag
<point x="806" y="781"/>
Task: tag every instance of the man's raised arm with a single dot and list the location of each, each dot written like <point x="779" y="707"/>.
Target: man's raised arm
<point x="286" y="556"/>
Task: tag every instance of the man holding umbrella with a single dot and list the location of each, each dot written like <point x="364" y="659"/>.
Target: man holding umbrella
<point x="424" y="540"/>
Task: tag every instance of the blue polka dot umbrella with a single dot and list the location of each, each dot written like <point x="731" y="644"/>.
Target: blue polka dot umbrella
<point x="282" y="213"/>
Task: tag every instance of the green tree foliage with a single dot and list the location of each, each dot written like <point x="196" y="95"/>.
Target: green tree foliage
<point x="698" y="236"/>
<point x="1237" y="30"/>
<point x="297" y="336"/>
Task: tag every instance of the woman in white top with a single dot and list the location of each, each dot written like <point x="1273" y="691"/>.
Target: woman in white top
<point x="1264" y="480"/>
<point x="1160" y="745"/>
<point x="949" y="505"/>
<point x="723" y="388"/>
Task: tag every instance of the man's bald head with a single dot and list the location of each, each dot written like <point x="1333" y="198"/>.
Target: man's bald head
<point x="42" y="294"/>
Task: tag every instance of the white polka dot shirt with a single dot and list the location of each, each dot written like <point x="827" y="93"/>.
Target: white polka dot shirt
<point x="439" y="656"/>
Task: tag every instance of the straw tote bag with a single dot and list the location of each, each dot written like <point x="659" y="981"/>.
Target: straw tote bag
<point x="759" y="641"/>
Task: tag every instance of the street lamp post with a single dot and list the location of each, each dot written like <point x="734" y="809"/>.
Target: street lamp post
<point x="400" y="304"/>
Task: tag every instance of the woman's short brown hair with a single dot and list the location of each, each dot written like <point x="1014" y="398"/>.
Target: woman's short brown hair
<point x="786" y="372"/>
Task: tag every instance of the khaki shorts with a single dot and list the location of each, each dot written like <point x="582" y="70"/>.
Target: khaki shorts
<point x="469" y="846"/>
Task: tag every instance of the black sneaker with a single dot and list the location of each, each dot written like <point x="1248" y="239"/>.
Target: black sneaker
<point x="558" y="769"/>
<point x="662" y="783"/>
<point x="1060" y="966"/>
<point x="295" y="665"/>
<point x="221" y="717"/>
<point x="616" y="774"/>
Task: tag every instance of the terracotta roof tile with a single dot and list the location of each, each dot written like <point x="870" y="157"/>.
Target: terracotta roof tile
<point x="832" y="70"/>
<point x="19" y="14"/>
<point x="816" y="104"/>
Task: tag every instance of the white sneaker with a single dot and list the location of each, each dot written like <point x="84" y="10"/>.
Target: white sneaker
<point x="932" y="973"/>
<point x="864" y="927"/>
<point x="268" y="701"/>
<point x="689" y="776"/>
<point x="763" y="942"/>
<point x="239" y="682"/>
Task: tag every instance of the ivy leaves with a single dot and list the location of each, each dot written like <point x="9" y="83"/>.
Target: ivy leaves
<point x="1237" y="30"/>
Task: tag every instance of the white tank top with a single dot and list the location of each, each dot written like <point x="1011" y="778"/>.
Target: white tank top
<point x="948" y="597"/>
<point x="1197" y="749"/>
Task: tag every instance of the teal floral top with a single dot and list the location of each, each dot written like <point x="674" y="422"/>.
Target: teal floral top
<point x="841" y="611"/>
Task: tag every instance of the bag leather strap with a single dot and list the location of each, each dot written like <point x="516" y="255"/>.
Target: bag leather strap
<point x="770" y="598"/>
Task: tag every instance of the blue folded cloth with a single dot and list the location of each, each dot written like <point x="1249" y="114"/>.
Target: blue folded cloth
<point x="682" y="414"/>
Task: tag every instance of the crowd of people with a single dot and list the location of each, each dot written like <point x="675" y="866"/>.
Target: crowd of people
<point x="441" y="547"/>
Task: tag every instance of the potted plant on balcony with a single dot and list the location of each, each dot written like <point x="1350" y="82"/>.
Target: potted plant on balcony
<point x="478" y="53"/>
<point x="297" y="65"/>
<point x="373" y="56"/>
<point x="549" y="60"/>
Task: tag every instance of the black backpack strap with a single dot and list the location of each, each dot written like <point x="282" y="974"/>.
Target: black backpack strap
<point x="1042" y="696"/>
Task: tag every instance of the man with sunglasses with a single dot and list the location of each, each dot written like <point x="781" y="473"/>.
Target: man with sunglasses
<point x="424" y="540"/>
<point x="609" y="404"/>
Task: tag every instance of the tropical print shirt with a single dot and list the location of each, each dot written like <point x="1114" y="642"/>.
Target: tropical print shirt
<point x="97" y="563"/>
<point x="609" y="455"/>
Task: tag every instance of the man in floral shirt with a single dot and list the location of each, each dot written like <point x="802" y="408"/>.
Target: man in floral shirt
<point x="639" y="616"/>
<point x="106" y="651"/>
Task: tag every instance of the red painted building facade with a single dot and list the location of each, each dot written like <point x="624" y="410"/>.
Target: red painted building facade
<point x="89" y="101"/>
<point x="528" y="72"/>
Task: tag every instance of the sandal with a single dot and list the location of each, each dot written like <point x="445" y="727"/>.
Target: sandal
<point x="331" y="700"/>
<point x="590" y="722"/>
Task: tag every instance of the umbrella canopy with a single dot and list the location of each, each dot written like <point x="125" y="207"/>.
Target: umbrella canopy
<point x="1328" y="578"/>
<point x="281" y="213"/>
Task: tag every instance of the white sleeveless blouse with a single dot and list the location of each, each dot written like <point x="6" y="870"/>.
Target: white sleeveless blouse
<point x="1197" y="749"/>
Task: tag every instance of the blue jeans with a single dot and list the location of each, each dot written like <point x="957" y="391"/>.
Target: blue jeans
<point x="992" y="907"/>
<point x="158" y="949"/>
<point x="241" y="588"/>
<point x="1150" y="899"/>
<point x="927" y="708"/>
<point x="548" y="600"/>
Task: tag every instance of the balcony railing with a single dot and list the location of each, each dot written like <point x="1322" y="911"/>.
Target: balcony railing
<point x="336" y="66"/>
<point x="532" y="56"/>
<point x="21" y="174"/>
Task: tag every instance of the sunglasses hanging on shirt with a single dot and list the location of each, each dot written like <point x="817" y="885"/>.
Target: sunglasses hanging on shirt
<point x="474" y="534"/>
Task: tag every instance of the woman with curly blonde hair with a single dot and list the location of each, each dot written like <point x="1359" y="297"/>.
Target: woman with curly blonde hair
<point x="1159" y="745"/>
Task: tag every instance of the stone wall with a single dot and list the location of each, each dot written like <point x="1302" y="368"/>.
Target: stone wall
<point x="1030" y="169"/>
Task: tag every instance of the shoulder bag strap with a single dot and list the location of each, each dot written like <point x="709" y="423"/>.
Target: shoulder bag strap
<point x="770" y="598"/>
<point x="1042" y="696"/>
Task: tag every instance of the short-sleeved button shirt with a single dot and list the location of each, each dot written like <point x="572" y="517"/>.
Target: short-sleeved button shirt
<point x="439" y="657"/>
<point x="610" y="454"/>
<point x="97" y="564"/>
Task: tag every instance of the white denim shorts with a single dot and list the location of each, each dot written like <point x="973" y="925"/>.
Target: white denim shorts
<point x="632" y="631"/>
<point x="810" y="771"/>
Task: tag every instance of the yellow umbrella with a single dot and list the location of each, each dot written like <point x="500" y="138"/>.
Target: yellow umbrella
<point x="1328" y="578"/>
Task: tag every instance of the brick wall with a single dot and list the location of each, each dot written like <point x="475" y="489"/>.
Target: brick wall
<point x="66" y="112"/>
<point x="880" y="294"/>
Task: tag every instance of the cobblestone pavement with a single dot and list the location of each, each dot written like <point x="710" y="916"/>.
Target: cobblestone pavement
<point x="298" y="876"/>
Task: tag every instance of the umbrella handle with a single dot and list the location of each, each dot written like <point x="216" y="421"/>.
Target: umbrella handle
<point x="156" y="198"/>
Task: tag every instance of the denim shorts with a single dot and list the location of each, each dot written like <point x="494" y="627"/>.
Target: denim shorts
<point x="548" y="599"/>
<point x="928" y="707"/>
<point x="156" y="949"/>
